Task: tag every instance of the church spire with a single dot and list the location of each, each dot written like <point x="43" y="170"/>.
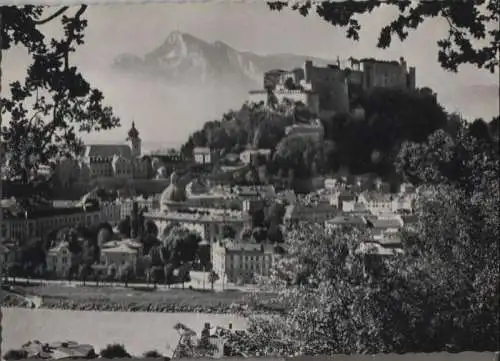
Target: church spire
<point x="133" y="133"/>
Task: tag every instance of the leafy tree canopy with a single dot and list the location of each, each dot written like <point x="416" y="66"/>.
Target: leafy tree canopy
<point x="48" y="109"/>
<point x="469" y="23"/>
<point x="441" y="294"/>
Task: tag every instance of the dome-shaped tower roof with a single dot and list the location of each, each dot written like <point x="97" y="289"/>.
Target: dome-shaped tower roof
<point x="174" y="193"/>
<point x="133" y="133"/>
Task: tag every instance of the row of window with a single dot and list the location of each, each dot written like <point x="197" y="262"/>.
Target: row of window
<point x="37" y="227"/>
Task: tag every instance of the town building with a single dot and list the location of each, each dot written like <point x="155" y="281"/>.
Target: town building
<point x="165" y="161"/>
<point x="21" y="224"/>
<point x="176" y="208"/>
<point x="322" y="89"/>
<point x="376" y="249"/>
<point x="385" y="228"/>
<point x="240" y="262"/>
<point x="377" y="202"/>
<point x="280" y="96"/>
<point x="407" y="188"/>
<point x="319" y="213"/>
<point x="111" y="212"/>
<point x="403" y="203"/>
<point x="210" y="224"/>
<point x="346" y="221"/>
<point x="313" y="130"/>
<point x="205" y="155"/>
<point x="58" y="260"/>
<point x="127" y="205"/>
<point x="344" y="200"/>
<point x="119" y="254"/>
<point x="254" y="156"/>
<point x="105" y="162"/>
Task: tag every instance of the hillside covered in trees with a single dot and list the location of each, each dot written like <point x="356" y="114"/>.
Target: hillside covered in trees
<point x="364" y="141"/>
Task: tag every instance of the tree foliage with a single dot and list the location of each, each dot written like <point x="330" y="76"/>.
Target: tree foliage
<point x="114" y="351"/>
<point x="103" y="237"/>
<point x="391" y="118"/>
<point x="441" y="294"/>
<point x="15" y="355"/>
<point x="125" y="226"/>
<point x="152" y="354"/>
<point x="473" y="35"/>
<point x="253" y="125"/>
<point x="54" y="103"/>
<point x="182" y="245"/>
<point x="469" y="160"/>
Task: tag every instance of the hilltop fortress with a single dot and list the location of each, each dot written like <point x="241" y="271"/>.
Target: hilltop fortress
<point x="334" y="88"/>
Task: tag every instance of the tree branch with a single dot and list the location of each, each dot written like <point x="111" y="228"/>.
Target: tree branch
<point x="52" y="17"/>
<point x="71" y="36"/>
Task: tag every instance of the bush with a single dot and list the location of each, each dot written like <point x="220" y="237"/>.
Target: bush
<point x="152" y="354"/>
<point x="15" y="355"/>
<point x="114" y="351"/>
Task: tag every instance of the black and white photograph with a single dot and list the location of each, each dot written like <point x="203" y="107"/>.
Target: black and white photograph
<point x="264" y="180"/>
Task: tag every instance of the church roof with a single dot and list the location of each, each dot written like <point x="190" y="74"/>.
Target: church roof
<point x="107" y="151"/>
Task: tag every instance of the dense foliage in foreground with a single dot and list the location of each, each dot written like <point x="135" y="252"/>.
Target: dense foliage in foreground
<point x="440" y="295"/>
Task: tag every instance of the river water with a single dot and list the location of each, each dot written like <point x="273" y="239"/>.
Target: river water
<point x="138" y="331"/>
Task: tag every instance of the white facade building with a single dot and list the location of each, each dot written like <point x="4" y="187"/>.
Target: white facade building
<point x="240" y="262"/>
<point x="58" y="260"/>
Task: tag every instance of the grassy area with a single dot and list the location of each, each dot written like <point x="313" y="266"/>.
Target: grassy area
<point x="186" y="297"/>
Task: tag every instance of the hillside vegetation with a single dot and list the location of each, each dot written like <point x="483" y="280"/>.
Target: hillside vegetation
<point x="365" y="141"/>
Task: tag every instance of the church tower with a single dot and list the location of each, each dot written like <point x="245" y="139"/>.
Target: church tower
<point x="135" y="141"/>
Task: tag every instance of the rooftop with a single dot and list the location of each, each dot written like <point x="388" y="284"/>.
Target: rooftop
<point x="107" y="151"/>
<point x="347" y="219"/>
<point x="202" y="150"/>
<point x="198" y="217"/>
<point x="377" y="249"/>
<point x="386" y="223"/>
<point x="377" y="197"/>
<point x="120" y="248"/>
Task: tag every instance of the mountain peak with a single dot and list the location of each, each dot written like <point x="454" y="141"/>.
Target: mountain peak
<point x="174" y="37"/>
<point x="220" y="44"/>
<point x="184" y="58"/>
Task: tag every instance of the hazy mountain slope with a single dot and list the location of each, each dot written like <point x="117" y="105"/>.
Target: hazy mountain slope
<point x="185" y="59"/>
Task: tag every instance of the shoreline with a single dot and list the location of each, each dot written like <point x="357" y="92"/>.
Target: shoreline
<point x="148" y="307"/>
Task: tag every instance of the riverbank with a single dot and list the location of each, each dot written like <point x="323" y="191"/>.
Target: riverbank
<point x="130" y="300"/>
<point x="138" y="331"/>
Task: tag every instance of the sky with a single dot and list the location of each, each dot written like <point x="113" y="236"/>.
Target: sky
<point x="166" y="116"/>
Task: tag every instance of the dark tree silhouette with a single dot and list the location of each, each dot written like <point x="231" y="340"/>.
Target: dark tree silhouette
<point x="114" y="351"/>
<point x="54" y="102"/>
<point x="15" y="355"/>
<point x="125" y="226"/>
<point x="152" y="354"/>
